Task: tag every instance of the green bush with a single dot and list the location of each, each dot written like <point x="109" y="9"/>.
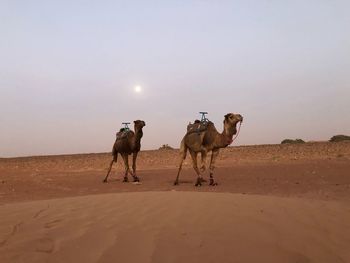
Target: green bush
<point x="339" y="138"/>
<point x="291" y="141"/>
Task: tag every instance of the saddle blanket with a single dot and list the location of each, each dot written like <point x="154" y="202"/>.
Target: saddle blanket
<point x="197" y="126"/>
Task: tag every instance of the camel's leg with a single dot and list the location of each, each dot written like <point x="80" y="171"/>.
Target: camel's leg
<point x="134" y="157"/>
<point x="178" y="172"/>
<point x="195" y="167"/>
<point x="203" y="168"/>
<point x="204" y="161"/>
<point x="126" y="165"/>
<point x="183" y="152"/>
<point x="110" y="167"/>
<point x="214" y="155"/>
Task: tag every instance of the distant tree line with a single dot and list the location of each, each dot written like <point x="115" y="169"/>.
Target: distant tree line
<point x="335" y="138"/>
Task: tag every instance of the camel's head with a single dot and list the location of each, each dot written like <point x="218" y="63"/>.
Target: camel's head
<point x="139" y="124"/>
<point x="233" y="119"/>
<point x="230" y="122"/>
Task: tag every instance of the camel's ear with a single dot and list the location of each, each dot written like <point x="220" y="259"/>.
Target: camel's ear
<point x="227" y="115"/>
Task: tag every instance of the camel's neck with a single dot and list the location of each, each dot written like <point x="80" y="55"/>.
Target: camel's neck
<point x="138" y="135"/>
<point x="225" y="138"/>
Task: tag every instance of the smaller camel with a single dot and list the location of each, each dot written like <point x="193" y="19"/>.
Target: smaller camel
<point x="204" y="138"/>
<point x="127" y="142"/>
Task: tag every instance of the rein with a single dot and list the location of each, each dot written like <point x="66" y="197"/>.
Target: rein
<point x="239" y="128"/>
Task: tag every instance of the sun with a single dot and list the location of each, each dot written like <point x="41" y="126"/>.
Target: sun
<point x="138" y="89"/>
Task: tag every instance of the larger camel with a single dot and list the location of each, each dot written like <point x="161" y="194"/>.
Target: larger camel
<point x="127" y="142"/>
<point x="207" y="139"/>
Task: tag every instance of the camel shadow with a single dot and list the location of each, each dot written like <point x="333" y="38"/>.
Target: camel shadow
<point x="113" y="180"/>
<point x="185" y="181"/>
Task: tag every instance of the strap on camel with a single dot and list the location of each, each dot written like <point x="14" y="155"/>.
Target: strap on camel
<point x="239" y="129"/>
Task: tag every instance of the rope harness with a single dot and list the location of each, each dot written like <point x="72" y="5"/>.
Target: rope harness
<point x="239" y="128"/>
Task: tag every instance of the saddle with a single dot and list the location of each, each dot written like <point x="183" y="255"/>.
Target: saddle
<point x="123" y="133"/>
<point x="198" y="126"/>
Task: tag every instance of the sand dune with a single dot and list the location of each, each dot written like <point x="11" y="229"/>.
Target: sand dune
<point x="175" y="227"/>
<point x="274" y="203"/>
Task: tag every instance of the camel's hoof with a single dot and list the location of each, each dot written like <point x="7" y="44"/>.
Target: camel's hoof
<point x="199" y="182"/>
<point x="212" y="183"/>
<point x="125" y="180"/>
<point x="136" y="179"/>
<point x="104" y="181"/>
<point x="176" y="183"/>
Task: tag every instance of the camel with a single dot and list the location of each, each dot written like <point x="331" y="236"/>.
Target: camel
<point x="205" y="140"/>
<point x="126" y="143"/>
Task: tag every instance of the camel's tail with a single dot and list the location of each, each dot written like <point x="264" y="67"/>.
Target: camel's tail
<point x="183" y="150"/>
<point x="114" y="151"/>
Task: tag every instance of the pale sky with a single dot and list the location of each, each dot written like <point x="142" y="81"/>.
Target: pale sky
<point x="68" y="71"/>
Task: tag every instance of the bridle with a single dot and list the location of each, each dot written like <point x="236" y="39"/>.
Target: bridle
<point x="239" y="128"/>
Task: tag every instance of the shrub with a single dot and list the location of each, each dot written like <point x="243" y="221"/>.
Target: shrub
<point x="165" y="147"/>
<point x="291" y="141"/>
<point x="339" y="138"/>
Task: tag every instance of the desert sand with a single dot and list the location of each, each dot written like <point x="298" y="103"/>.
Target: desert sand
<point x="274" y="203"/>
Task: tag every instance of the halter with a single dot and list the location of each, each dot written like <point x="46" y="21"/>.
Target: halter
<point x="239" y="128"/>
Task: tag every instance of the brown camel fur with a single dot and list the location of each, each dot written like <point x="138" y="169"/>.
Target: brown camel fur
<point x="126" y="143"/>
<point x="209" y="140"/>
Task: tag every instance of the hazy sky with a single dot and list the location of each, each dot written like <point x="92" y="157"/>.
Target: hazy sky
<point x="68" y="71"/>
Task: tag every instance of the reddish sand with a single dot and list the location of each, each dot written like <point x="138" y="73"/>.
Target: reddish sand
<point x="274" y="203"/>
